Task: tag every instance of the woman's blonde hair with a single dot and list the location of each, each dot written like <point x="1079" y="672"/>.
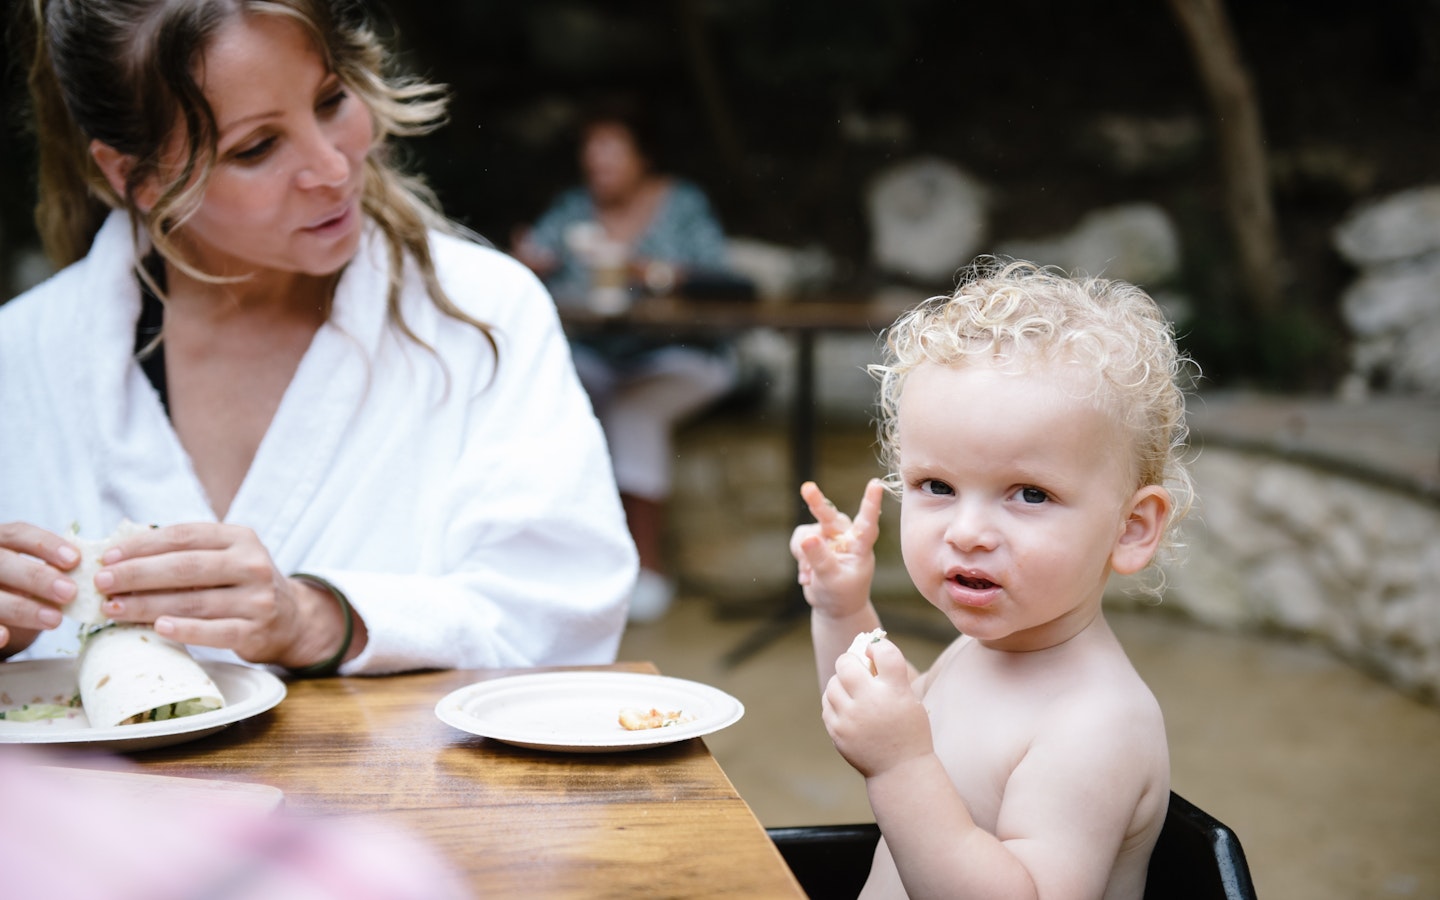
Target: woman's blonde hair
<point x="1017" y="313"/>
<point x="122" y="72"/>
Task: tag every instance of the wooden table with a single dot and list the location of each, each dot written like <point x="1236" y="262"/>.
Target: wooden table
<point x="515" y="822"/>
<point x="679" y="318"/>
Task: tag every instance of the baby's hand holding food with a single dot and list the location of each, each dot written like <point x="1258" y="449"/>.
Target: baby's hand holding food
<point x="873" y="716"/>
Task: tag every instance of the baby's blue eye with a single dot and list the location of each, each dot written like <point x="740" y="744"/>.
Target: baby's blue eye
<point x="932" y="486"/>
<point x="1033" y="495"/>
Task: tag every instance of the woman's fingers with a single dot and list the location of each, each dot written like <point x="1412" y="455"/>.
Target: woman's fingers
<point x="33" y="562"/>
<point x="34" y="585"/>
<point x="224" y="633"/>
<point x="29" y="540"/>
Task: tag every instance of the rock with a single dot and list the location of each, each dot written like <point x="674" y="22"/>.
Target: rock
<point x="780" y="272"/>
<point x="1140" y="144"/>
<point x="1134" y="242"/>
<point x="1286" y="587"/>
<point x="1397" y="227"/>
<point x="1395" y="313"/>
<point x="927" y="219"/>
<point x="1393" y="298"/>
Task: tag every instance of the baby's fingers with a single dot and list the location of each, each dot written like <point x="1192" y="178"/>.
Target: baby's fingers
<point x="890" y="662"/>
<point x="867" y="519"/>
<point x="831" y="520"/>
<point x="817" y="555"/>
<point x="801" y="534"/>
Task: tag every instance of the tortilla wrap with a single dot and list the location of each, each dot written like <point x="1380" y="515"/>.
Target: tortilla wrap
<point x="860" y="647"/>
<point x="85" y="608"/>
<point x="127" y="670"/>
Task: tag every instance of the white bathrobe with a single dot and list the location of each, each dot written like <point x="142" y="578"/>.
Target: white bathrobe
<point x="468" y="511"/>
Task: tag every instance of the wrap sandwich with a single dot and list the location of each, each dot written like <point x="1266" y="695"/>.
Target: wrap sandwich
<point x="860" y="647"/>
<point x="85" y="608"/>
<point x="127" y="673"/>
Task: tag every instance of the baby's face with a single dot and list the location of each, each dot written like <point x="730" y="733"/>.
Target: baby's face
<point x="1015" y="496"/>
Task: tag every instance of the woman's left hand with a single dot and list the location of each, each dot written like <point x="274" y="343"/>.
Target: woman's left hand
<point x="214" y="585"/>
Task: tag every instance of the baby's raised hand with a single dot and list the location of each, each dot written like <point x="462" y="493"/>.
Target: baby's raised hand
<point x="876" y="721"/>
<point x="836" y="555"/>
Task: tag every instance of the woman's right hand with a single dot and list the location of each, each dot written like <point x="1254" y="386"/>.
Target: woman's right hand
<point x="34" y="585"/>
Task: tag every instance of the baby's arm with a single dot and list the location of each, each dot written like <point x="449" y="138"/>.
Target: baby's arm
<point x="836" y="558"/>
<point x="1071" y="806"/>
<point x="880" y="726"/>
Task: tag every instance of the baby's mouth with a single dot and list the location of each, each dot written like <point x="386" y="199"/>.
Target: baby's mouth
<point x="975" y="584"/>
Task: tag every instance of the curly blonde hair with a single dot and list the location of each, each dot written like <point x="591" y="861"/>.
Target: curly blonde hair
<point x="1017" y="313"/>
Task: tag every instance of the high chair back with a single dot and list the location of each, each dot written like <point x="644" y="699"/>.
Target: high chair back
<point x="1196" y="858"/>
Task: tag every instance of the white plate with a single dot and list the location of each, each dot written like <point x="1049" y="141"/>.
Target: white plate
<point x="580" y="711"/>
<point x="248" y="692"/>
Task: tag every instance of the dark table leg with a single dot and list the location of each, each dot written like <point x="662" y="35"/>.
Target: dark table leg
<point x="803" y="468"/>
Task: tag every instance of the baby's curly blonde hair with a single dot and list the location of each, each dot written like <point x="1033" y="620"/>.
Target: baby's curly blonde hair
<point x="1018" y="313"/>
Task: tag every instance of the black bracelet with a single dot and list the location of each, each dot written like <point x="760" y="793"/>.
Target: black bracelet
<point x="326" y="668"/>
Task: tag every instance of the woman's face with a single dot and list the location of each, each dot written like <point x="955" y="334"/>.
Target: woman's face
<point x="284" y="194"/>
<point x="611" y="161"/>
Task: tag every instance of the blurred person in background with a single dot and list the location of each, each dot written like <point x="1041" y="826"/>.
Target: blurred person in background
<point x="662" y="230"/>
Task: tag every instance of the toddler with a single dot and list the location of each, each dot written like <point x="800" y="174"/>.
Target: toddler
<point x="1031" y="426"/>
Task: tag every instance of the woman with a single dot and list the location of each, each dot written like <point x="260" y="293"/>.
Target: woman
<point x="641" y="387"/>
<point x="360" y="434"/>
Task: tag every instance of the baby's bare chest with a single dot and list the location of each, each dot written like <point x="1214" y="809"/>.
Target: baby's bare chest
<point x="982" y="732"/>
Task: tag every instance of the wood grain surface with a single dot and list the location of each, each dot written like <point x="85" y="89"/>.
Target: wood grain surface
<point x="663" y="822"/>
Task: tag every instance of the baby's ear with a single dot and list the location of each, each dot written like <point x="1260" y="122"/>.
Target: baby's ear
<point x="1140" y="534"/>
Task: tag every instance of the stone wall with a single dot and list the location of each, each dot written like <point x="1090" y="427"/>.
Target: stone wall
<point x="1293" y="545"/>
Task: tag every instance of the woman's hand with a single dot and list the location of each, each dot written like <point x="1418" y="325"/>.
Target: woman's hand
<point x="876" y="721"/>
<point x="215" y="585"/>
<point x="540" y="260"/>
<point x="836" y="555"/>
<point x="33" y="585"/>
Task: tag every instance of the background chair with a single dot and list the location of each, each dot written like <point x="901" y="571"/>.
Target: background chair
<point x="1196" y="858"/>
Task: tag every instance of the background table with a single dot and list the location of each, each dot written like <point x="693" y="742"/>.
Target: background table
<point x="515" y="822"/>
<point x="678" y="318"/>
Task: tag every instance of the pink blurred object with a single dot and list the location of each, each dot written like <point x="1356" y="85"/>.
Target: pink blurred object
<point x="78" y="834"/>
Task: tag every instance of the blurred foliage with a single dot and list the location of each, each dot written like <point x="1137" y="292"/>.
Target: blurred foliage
<point x="820" y="96"/>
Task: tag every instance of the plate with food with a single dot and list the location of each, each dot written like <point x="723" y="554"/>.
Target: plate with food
<point x="42" y="703"/>
<point x="589" y="712"/>
<point x="129" y="688"/>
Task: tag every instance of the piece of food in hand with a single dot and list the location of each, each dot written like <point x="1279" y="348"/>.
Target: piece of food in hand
<point x="632" y="719"/>
<point x="129" y="674"/>
<point x="85" y="608"/>
<point x="860" y="647"/>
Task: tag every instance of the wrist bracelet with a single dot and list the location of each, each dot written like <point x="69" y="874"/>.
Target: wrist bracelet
<point x="328" y="667"/>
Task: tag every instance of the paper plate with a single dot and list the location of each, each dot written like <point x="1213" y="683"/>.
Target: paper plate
<point x="248" y="692"/>
<point x="580" y="711"/>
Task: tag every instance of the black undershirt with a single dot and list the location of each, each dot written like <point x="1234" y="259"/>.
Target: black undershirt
<point x="152" y="317"/>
